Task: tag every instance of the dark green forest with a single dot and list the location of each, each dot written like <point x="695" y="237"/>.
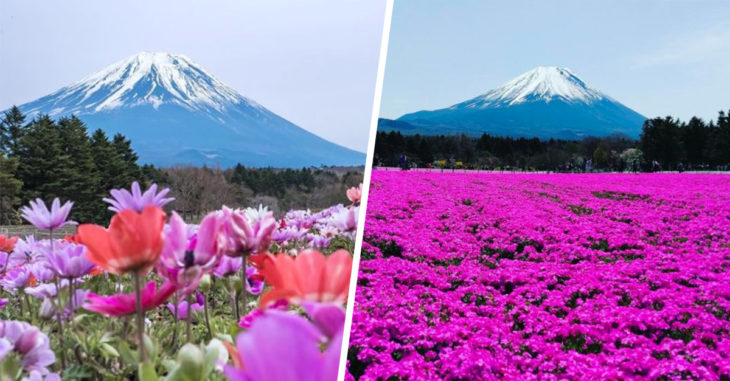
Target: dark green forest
<point x="673" y="144"/>
<point x="49" y="158"/>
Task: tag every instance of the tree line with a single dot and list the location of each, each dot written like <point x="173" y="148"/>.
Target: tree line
<point x="668" y="141"/>
<point x="48" y="158"/>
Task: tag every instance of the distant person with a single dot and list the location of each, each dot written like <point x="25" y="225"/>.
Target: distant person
<point x="403" y="161"/>
<point x="655" y="166"/>
<point x="635" y="166"/>
<point x="680" y="167"/>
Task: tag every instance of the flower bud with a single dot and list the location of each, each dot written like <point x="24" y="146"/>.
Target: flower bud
<point x="205" y="283"/>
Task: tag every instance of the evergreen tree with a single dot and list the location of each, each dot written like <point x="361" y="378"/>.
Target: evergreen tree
<point x="110" y="164"/>
<point x="660" y="140"/>
<point x="130" y="170"/>
<point x="694" y="141"/>
<point x="82" y="182"/>
<point x="10" y="187"/>
<point x="721" y="139"/>
<point x="11" y="130"/>
<point x="43" y="164"/>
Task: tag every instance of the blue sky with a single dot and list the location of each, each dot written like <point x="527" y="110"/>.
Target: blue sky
<point x="313" y="62"/>
<point x="658" y="57"/>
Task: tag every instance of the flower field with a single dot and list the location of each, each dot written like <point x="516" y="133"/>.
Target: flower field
<point x="544" y="276"/>
<point x="242" y="295"/>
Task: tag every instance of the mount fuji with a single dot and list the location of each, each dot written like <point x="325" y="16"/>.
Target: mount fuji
<point x="174" y="112"/>
<point x="547" y="102"/>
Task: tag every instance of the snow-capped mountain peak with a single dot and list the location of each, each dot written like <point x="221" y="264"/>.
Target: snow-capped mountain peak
<point x="543" y="83"/>
<point x="145" y="78"/>
<point x="547" y="102"/>
<point x="174" y="112"/>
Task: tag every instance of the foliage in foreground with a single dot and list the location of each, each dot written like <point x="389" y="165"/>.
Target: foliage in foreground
<point x="154" y="298"/>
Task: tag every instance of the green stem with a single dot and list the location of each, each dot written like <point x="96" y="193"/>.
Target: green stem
<point x="190" y="319"/>
<point x="70" y="297"/>
<point x="174" y="324"/>
<point x="140" y="317"/>
<point x="207" y="318"/>
<point x="244" y="283"/>
<point x="20" y="303"/>
<point x="235" y="303"/>
<point x="30" y="310"/>
<point x="59" y="317"/>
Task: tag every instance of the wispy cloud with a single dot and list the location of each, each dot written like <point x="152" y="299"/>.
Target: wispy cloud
<point x="703" y="45"/>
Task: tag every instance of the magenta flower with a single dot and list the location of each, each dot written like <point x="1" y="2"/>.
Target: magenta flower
<point x="249" y="318"/>
<point x="182" y="307"/>
<point x="283" y="346"/>
<point x="188" y="259"/>
<point x="136" y="200"/>
<point x="252" y="230"/>
<point x="44" y="219"/>
<point x="29" y="343"/>
<point x="3" y="302"/>
<point x="126" y="304"/>
<point x="328" y="317"/>
<point x="68" y="261"/>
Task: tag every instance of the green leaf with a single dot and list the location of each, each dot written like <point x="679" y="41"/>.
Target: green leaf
<point x="129" y="357"/>
<point x="108" y="351"/>
<point x="146" y="372"/>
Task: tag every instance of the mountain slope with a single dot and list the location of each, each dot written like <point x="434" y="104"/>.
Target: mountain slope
<point x="175" y="112"/>
<point x="547" y="102"/>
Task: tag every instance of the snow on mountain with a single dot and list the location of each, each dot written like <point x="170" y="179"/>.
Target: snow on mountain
<point x="144" y="78"/>
<point x="541" y="83"/>
<point x="177" y="113"/>
<point x="547" y="102"/>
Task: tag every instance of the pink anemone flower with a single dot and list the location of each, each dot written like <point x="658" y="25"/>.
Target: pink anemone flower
<point x="126" y="304"/>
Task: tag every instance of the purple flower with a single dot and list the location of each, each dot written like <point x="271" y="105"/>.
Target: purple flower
<point x="252" y="230"/>
<point x="188" y="258"/>
<point x="48" y="309"/>
<point x="346" y="219"/>
<point x="253" y="285"/>
<point x="287" y="234"/>
<point x="31" y="345"/>
<point x="136" y="200"/>
<point x="318" y="241"/>
<point x="41" y="271"/>
<point x="44" y="219"/>
<point x="68" y="261"/>
<point x="228" y="266"/>
<point x="16" y="278"/>
<point x="26" y="251"/>
<point x="44" y="290"/>
<point x="182" y="307"/>
<point x="284" y="346"/>
<point x="3" y="261"/>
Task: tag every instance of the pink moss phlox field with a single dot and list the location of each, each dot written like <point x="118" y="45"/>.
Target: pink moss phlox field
<point x="544" y="276"/>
